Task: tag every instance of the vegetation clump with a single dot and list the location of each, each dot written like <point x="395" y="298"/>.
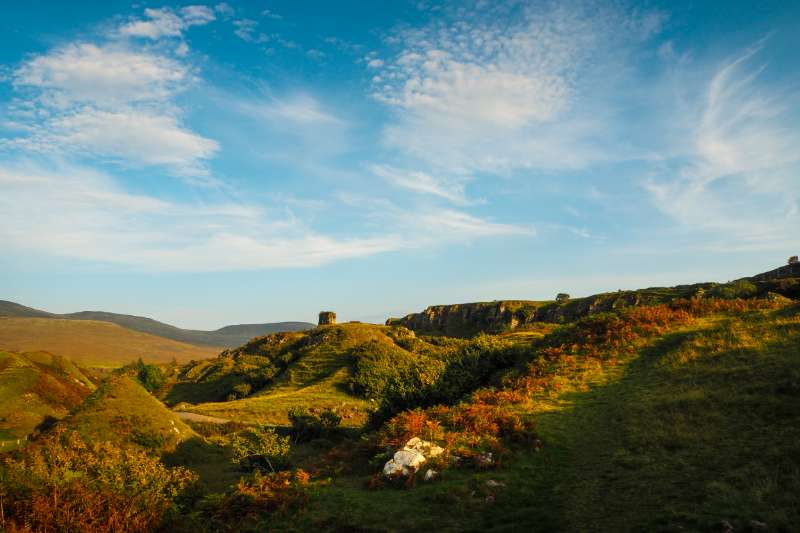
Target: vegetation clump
<point x="64" y="483"/>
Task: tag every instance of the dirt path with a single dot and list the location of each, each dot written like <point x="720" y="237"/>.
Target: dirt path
<point x="194" y="417"/>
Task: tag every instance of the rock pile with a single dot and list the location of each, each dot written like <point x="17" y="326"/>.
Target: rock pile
<point x="409" y="459"/>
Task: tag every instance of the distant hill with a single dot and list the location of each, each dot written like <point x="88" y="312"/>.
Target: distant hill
<point x="225" y="337"/>
<point x="34" y="386"/>
<point x="94" y="343"/>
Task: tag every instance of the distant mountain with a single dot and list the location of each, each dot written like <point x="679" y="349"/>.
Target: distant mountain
<point x="226" y="337"/>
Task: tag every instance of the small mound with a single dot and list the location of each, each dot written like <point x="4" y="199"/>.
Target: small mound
<point x="34" y="387"/>
<point x="121" y="410"/>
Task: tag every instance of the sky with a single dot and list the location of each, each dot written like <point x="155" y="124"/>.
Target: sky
<point x="246" y="162"/>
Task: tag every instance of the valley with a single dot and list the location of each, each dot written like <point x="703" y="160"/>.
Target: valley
<point x="668" y="411"/>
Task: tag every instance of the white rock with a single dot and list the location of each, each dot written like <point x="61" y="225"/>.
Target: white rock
<point x="428" y="449"/>
<point x="404" y="462"/>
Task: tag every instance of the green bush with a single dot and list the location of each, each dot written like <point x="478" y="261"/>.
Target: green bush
<point x="733" y="290"/>
<point x="391" y="375"/>
<point x="260" y="448"/>
<point x="308" y="426"/>
<point x="150" y="376"/>
<point x="240" y="390"/>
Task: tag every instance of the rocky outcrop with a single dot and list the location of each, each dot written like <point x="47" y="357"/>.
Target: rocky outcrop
<point x="468" y="319"/>
<point x="327" y="318"/>
<point x="508" y="315"/>
<point x="786" y="271"/>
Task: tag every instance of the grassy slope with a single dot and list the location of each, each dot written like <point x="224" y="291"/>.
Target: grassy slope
<point x="93" y="343"/>
<point x="701" y="426"/>
<point x="316" y="379"/>
<point x="34" y="386"/>
<point x="121" y="409"/>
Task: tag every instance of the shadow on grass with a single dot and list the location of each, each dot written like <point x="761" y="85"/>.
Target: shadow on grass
<point x="669" y="448"/>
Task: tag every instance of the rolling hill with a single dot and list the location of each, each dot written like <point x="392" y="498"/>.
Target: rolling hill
<point x="34" y="386"/>
<point x="122" y="410"/>
<point x="225" y="337"/>
<point x="94" y="343"/>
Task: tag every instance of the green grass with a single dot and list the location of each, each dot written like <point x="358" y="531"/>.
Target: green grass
<point x="34" y="386"/>
<point x="316" y="379"/>
<point x="122" y="410"/>
<point x="93" y="343"/>
<point x="700" y="426"/>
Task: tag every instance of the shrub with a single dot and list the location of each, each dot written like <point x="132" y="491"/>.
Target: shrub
<point x="240" y="390"/>
<point x="260" y="448"/>
<point x="735" y="289"/>
<point x="246" y="507"/>
<point x="150" y="376"/>
<point x="308" y="426"/>
<point x="61" y="483"/>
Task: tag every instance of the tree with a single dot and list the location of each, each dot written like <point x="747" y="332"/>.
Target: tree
<point x="562" y="297"/>
<point x="793" y="260"/>
<point x="151" y="377"/>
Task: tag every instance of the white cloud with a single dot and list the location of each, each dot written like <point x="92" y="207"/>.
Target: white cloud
<point x="101" y="75"/>
<point x="165" y="22"/>
<point x="375" y="63"/>
<point x="128" y="135"/>
<point x="491" y="88"/>
<point x="737" y="178"/>
<point x="422" y="182"/>
<point x="111" y="101"/>
<point x="457" y="225"/>
<point x="224" y="9"/>
<point x="299" y="109"/>
<point x="76" y="213"/>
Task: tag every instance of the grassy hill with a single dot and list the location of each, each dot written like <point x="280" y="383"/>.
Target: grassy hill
<point x="695" y="429"/>
<point x="225" y="337"/>
<point x="34" y="386"/>
<point x="309" y="369"/>
<point x="93" y="343"/>
<point x="122" y="410"/>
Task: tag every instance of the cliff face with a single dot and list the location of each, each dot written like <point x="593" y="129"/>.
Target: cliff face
<point x="468" y="319"/>
<point x="508" y="315"/>
<point x="786" y="271"/>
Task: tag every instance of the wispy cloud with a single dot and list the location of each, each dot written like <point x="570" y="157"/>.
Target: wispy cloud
<point x="421" y="182"/>
<point x="737" y="179"/>
<point x="82" y="214"/>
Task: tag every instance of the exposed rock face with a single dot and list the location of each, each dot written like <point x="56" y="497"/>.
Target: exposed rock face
<point x="327" y="318"/>
<point x="507" y="315"/>
<point x="786" y="271"/>
<point x="408" y="460"/>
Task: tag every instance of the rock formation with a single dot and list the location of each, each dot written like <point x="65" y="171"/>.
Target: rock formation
<point x="327" y="318"/>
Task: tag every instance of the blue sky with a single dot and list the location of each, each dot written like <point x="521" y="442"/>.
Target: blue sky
<point x="208" y="164"/>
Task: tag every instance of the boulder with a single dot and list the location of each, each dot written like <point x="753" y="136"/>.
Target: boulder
<point x="428" y="449"/>
<point x="404" y="463"/>
<point x="408" y="460"/>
